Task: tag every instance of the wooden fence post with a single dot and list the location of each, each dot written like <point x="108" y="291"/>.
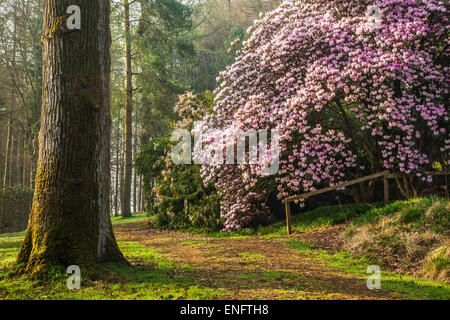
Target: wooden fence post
<point x="386" y="190"/>
<point x="446" y="185"/>
<point x="288" y="217"/>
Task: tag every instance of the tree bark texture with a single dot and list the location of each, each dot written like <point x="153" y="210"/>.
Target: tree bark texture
<point x="126" y="195"/>
<point x="70" y="218"/>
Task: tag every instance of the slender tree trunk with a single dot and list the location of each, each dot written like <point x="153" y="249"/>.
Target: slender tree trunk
<point x="34" y="159"/>
<point x="25" y="164"/>
<point x="116" y="187"/>
<point x="8" y="142"/>
<point x="141" y="192"/>
<point x="138" y="194"/>
<point x="70" y="222"/>
<point x="126" y="195"/>
<point x="11" y="161"/>
<point x="134" y="169"/>
<point x="19" y="160"/>
<point x="121" y="177"/>
<point x="10" y="155"/>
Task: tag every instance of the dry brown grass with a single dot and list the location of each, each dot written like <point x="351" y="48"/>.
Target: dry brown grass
<point x="411" y="250"/>
<point x="357" y="238"/>
<point x="436" y="266"/>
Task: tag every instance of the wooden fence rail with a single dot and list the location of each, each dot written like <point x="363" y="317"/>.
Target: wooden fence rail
<point x="385" y="174"/>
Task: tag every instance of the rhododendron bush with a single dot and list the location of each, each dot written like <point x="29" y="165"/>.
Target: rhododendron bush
<point x="176" y="192"/>
<point x="350" y="96"/>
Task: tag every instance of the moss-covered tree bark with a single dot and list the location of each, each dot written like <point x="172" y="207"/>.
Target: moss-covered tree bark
<point x="70" y="219"/>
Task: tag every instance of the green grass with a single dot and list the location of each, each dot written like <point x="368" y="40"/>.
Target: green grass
<point x="151" y="277"/>
<point x="154" y="277"/>
<point x="432" y="212"/>
<point x="239" y="234"/>
<point x="412" y="230"/>
<point x="412" y="213"/>
<point x="9" y="249"/>
<point x="403" y="286"/>
<point x="302" y="222"/>
<point x="192" y="243"/>
<point x="317" y="218"/>
<point x="9" y="235"/>
<point x="251" y="256"/>
<point x="163" y="239"/>
<point x="245" y="276"/>
<point x="272" y="275"/>
<point x="280" y="275"/>
<point x="136" y="217"/>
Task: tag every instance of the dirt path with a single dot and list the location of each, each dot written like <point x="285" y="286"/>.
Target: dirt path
<point x="251" y="268"/>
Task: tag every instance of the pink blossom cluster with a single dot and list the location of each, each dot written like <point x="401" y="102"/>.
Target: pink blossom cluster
<point x="321" y="74"/>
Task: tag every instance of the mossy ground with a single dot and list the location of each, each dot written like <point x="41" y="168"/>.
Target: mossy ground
<point x="243" y="265"/>
<point x="151" y="276"/>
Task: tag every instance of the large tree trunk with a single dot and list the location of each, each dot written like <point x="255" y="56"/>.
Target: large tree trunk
<point x="126" y="195"/>
<point x="70" y="219"/>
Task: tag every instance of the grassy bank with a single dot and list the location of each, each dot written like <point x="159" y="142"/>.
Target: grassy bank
<point x="399" y="285"/>
<point x="409" y="236"/>
<point x="408" y="239"/>
<point x="302" y="222"/>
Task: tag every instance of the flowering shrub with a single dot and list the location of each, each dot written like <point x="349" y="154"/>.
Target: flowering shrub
<point x="348" y="96"/>
<point x="176" y="193"/>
